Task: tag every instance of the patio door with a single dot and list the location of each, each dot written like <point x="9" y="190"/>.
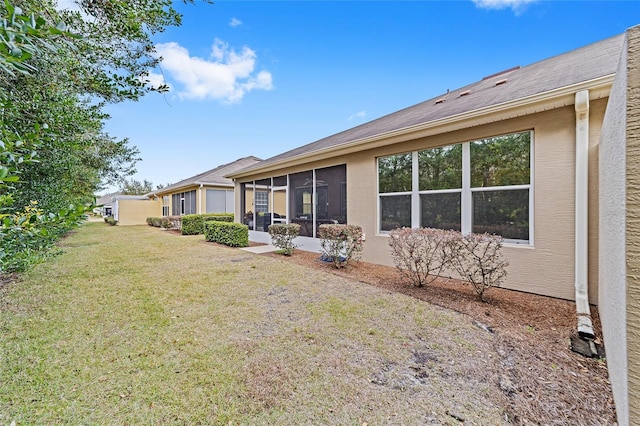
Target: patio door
<point x="280" y="203"/>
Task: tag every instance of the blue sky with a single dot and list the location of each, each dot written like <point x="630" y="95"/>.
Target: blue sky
<point x="260" y="78"/>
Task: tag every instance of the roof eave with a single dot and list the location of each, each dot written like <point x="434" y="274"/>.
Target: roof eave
<point x="230" y="185"/>
<point x="556" y="98"/>
<point x="164" y="191"/>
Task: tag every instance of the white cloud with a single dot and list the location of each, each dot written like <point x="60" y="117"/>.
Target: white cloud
<point x="227" y="75"/>
<point x="359" y="114"/>
<point x="235" y="22"/>
<point x="516" y="5"/>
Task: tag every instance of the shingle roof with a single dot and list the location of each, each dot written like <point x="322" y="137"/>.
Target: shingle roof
<point x="584" y="64"/>
<point x="106" y="199"/>
<point x="213" y="177"/>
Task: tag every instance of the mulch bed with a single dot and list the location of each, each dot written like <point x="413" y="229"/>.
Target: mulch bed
<point x="543" y="381"/>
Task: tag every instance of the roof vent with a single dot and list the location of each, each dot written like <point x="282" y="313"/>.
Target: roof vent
<point x="440" y="101"/>
<point x="465" y="93"/>
<point x="501" y="82"/>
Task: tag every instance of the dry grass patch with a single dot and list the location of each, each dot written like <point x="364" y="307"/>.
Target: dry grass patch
<point x="133" y="325"/>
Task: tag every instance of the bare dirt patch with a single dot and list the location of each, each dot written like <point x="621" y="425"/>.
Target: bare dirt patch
<point x="542" y="380"/>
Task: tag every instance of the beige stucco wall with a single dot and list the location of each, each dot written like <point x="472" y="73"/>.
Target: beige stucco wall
<point x="547" y="267"/>
<point x="620" y="233"/>
<point x="201" y="197"/>
<point x="612" y="274"/>
<point x="633" y="222"/>
<point x="136" y="212"/>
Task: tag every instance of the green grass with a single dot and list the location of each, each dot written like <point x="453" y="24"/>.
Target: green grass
<point x="132" y="325"/>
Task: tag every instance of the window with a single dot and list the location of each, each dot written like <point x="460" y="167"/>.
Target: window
<point x="262" y="201"/>
<point x="165" y="205"/>
<point x="440" y="187"/>
<point x="184" y="203"/>
<point x="394" y="186"/>
<point x="219" y="201"/>
<point x="500" y="169"/>
<point x="479" y="186"/>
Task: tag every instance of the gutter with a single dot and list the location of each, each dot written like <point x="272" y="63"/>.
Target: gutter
<point x="556" y="98"/>
<point x="585" y="325"/>
<point x="171" y="189"/>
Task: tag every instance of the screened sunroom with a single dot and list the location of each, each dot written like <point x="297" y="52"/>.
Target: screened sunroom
<point x="309" y="198"/>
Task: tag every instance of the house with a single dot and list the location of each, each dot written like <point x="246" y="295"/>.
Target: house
<point x="515" y="154"/>
<point x="104" y="202"/>
<point x="130" y="210"/>
<point x="208" y="192"/>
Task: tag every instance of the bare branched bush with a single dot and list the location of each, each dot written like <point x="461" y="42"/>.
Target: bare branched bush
<point x="341" y="243"/>
<point x="421" y="254"/>
<point x="282" y="236"/>
<point x="478" y="259"/>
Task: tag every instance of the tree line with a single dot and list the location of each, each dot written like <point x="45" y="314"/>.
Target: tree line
<point x="58" y="71"/>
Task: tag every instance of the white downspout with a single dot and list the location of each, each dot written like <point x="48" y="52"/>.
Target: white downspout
<point x="585" y="326"/>
<point x="200" y="199"/>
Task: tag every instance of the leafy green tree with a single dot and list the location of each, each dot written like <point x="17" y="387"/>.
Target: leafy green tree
<point x="135" y="187"/>
<point x="54" y="84"/>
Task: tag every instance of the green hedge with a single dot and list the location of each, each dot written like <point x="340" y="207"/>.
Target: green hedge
<point x="193" y="224"/>
<point x="228" y="233"/>
<point x="154" y="221"/>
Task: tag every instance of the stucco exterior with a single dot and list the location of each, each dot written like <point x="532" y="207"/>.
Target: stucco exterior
<point x="620" y="232"/>
<point x="134" y="211"/>
<point x="207" y="188"/>
<point x="201" y="197"/>
<point x="545" y="267"/>
<point x="612" y="228"/>
<point x="543" y="101"/>
<point x="633" y="221"/>
<point x="551" y="255"/>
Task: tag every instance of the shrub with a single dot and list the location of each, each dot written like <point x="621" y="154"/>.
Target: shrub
<point x="341" y="243"/>
<point x="282" y="236"/>
<point x="478" y="259"/>
<point x="228" y="233"/>
<point x="176" y="222"/>
<point x="156" y="221"/>
<point x="149" y="221"/>
<point x="28" y="236"/>
<point x="193" y="224"/>
<point x="166" y="223"/>
<point x="421" y="254"/>
<point x="111" y="221"/>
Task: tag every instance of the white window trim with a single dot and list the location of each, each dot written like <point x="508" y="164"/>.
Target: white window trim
<point x="466" y="201"/>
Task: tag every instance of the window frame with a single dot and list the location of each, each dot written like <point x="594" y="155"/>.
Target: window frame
<point x="466" y="190"/>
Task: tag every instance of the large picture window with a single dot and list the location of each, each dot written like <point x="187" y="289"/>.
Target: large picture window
<point x="479" y="186"/>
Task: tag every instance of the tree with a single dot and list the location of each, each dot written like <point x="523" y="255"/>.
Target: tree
<point x="54" y="84"/>
<point x="135" y="187"/>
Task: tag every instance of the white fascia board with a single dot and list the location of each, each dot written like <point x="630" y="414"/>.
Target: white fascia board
<point x="565" y="96"/>
<point x="226" y="185"/>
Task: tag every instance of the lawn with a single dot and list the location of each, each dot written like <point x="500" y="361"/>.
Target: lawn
<point x="132" y="325"/>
